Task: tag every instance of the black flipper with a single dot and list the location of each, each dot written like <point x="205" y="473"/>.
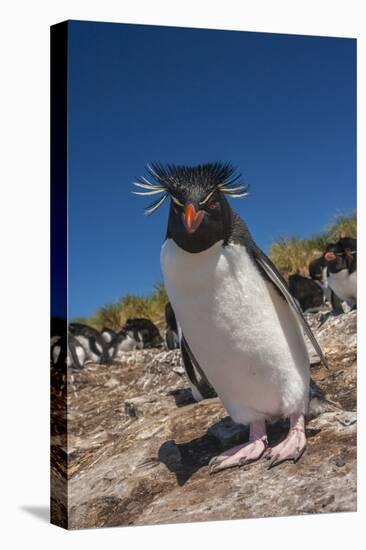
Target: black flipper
<point x="275" y="277"/>
<point x="195" y="374"/>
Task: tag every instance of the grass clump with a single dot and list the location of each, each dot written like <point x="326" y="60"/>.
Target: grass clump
<point x="115" y="315"/>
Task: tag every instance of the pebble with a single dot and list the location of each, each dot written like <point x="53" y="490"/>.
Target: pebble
<point x="346" y="418"/>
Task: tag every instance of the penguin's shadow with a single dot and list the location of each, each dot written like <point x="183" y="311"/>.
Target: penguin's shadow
<point x="192" y="456"/>
<point x="185" y="459"/>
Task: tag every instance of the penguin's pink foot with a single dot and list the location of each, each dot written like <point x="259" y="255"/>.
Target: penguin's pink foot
<point x="242" y="454"/>
<point x="293" y="446"/>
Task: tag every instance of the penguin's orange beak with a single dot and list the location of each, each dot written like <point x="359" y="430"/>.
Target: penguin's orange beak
<point x="192" y="219"/>
<point x="330" y="256"/>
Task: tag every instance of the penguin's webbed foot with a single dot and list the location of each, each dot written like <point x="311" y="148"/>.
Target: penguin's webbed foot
<point x="292" y="447"/>
<point x="242" y="454"/>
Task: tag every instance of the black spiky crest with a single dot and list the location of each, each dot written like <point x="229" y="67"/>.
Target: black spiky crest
<point x="177" y="180"/>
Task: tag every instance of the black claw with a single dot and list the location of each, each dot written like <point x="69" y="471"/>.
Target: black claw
<point x="294" y="457"/>
<point x="217" y="467"/>
<point x="213" y="461"/>
<point x="298" y="454"/>
<point x="274" y="462"/>
<point x="214" y="465"/>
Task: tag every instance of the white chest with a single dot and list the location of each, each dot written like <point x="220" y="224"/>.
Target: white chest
<point x="344" y="285"/>
<point x="242" y="333"/>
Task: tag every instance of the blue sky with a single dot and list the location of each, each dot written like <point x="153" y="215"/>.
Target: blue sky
<point x="279" y="107"/>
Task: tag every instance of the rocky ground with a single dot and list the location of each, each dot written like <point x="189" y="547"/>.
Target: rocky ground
<point x="138" y="445"/>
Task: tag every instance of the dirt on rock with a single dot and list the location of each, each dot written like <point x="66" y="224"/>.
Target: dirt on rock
<point x="130" y="446"/>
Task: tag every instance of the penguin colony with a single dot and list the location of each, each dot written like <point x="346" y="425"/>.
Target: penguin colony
<point x="240" y="330"/>
<point x="79" y="344"/>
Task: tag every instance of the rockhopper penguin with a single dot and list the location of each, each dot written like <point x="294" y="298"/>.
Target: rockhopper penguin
<point x="341" y="258"/>
<point x="318" y="271"/>
<point x="238" y="321"/>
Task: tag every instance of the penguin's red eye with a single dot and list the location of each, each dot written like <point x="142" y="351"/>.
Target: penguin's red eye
<point x="211" y="205"/>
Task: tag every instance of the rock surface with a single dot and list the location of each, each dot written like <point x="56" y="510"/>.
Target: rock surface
<point x="138" y="445"/>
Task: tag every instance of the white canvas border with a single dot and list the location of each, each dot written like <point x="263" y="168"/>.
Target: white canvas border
<point x="24" y="229"/>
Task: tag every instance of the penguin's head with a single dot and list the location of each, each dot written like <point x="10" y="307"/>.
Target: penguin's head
<point x="199" y="213"/>
<point x="340" y="255"/>
<point x="332" y="251"/>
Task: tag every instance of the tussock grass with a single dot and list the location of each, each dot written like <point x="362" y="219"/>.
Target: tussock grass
<point x="115" y="315"/>
<point x="290" y="255"/>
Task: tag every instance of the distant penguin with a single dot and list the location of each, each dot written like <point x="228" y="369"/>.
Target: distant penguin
<point x="171" y="333"/>
<point x="239" y="322"/>
<point x="319" y="273"/>
<point x="92" y="341"/>
<point x="127" y="340"/>
<point x="146" y="329"/>
<point x="341" y="258"/>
